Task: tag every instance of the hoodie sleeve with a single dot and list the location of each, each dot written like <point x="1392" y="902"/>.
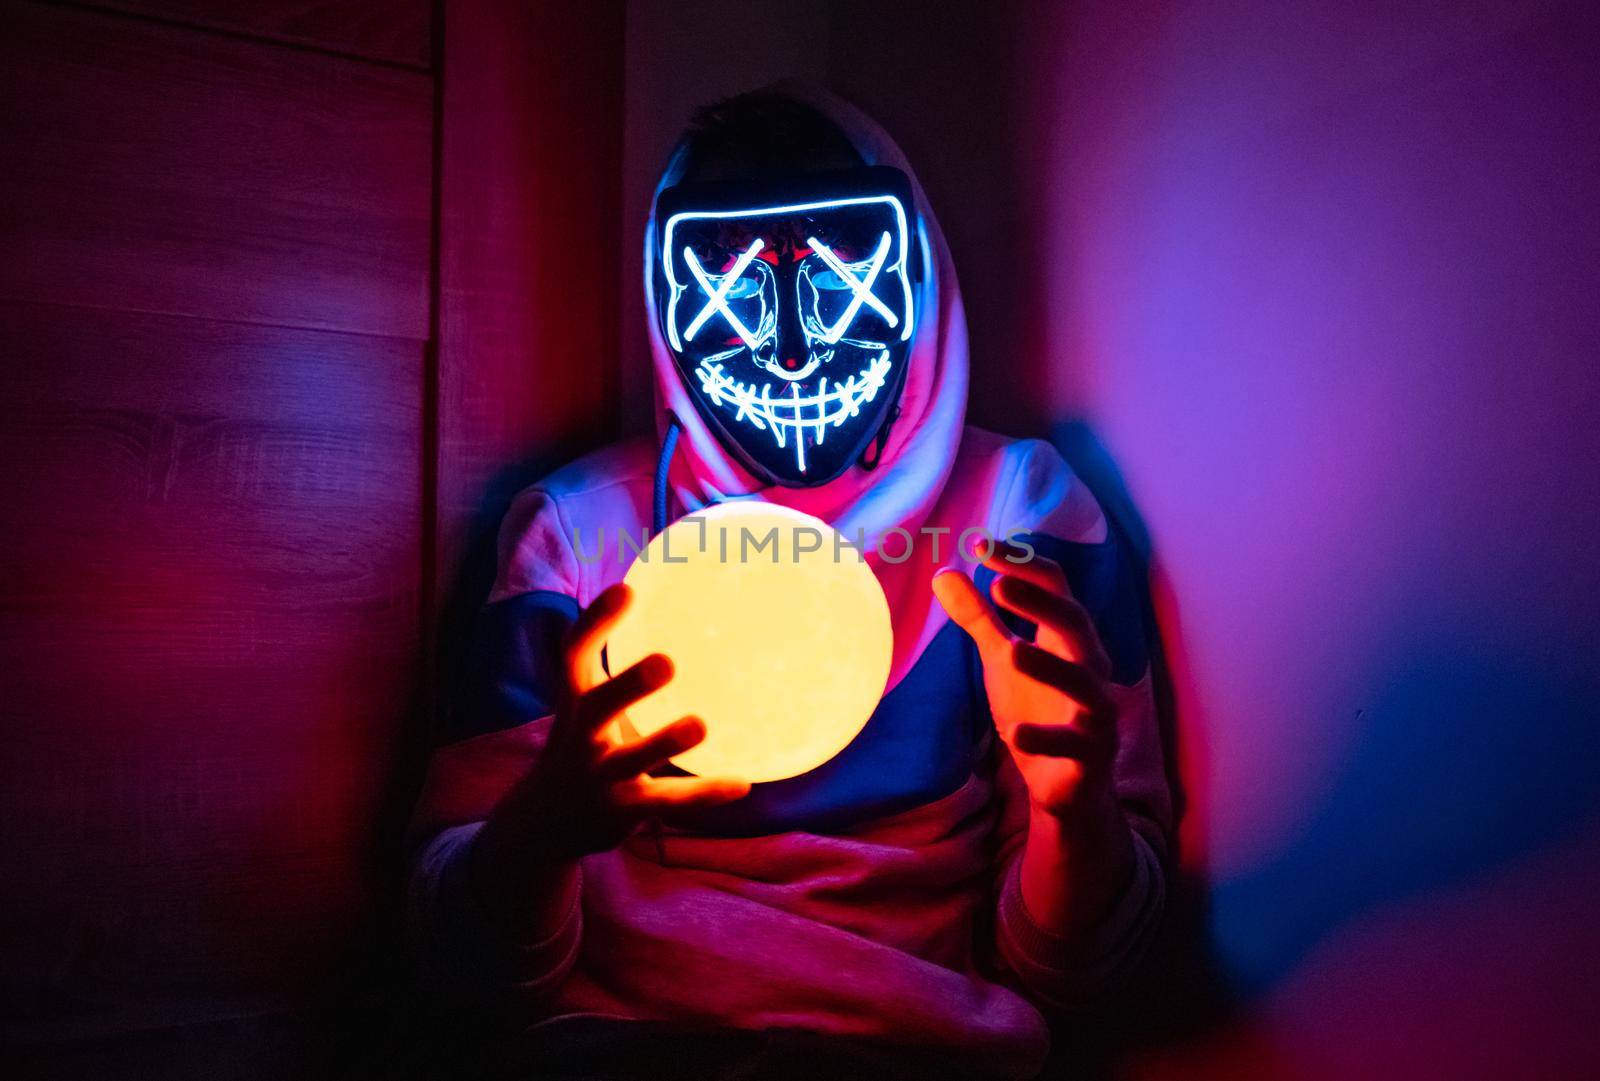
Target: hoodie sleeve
<point x="496" y="728"/>
<point x="1053" y="511"/>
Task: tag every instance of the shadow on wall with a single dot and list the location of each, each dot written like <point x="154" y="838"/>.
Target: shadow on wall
<point x="1321" y="275"/>
<point x="1469" y="768"/>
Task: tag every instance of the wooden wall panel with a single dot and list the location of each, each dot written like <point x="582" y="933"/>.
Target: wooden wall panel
<point x="213" y="385"/>
<point x="394" y="31"/>
<point x="210" y="533"/>
<point x="161" y="169"/>
<point x="239" y="481"/>
<point x="528" y="279"/>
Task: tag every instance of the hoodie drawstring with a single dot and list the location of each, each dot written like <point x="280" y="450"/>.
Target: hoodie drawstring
<point x="669" y="443"/>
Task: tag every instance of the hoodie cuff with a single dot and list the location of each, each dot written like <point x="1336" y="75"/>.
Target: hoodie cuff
<point x="467" y="943"/>
<point x="1069" y="970"/>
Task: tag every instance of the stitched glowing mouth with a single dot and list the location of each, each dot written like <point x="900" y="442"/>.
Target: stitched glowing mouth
<point x="796" y="412"/>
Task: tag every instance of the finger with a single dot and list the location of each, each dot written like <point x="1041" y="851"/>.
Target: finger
<point x="1073" y="680"/>
<point x="1011" y="560"/>
<point x="588" y="636"/>
<point x="970" y="611"/>
<point x="644" y="755"/>
<point x="597" y="706"/>
<point x="1057" y="741"/>
<point x="1066" y="619"/>
<point x="652" y="795"/>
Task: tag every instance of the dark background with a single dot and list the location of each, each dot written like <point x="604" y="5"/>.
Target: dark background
<point x="296" y="294"/>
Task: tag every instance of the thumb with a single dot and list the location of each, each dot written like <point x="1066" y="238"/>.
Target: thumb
<point x="971" y="611"/>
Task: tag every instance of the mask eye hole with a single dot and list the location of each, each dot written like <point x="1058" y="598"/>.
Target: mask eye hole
<point x="830" y="281"/>
<point x="748" y="287"/>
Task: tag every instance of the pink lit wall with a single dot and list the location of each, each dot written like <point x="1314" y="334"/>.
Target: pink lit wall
<point x="1321" y="280"/>
<point x="1310" y="292"/>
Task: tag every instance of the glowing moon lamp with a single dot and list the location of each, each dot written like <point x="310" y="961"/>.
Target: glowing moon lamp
<point x="778" y="632"/>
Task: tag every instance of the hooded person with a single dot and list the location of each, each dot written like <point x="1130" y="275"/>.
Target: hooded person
<point x="810" y="350"/>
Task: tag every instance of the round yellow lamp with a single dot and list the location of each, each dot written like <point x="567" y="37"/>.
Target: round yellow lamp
<point x="778" y="632"/>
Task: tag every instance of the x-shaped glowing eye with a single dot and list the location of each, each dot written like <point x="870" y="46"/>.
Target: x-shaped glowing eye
<point x="862" y="287"/>
<point x="717" y="294"/>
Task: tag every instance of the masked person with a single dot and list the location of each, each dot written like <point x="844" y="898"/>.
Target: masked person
<point x="986" y="853"/>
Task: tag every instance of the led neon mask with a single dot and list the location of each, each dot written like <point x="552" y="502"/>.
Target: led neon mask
<point x="789" y="309"/>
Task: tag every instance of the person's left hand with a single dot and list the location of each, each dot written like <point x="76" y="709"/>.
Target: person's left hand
<point x="1050" y="698"/>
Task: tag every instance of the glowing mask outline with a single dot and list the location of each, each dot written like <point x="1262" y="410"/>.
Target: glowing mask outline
<point x="881" y="283"/>
<point x="717" y="294"/>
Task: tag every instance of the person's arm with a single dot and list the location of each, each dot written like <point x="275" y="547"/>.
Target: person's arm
<point x="505" y="893"/>
<point x="1068" y="959"/>
<point x="507" y="809"/>
<point x="466" y="946"/>
<point x="1081" y="884"/>
<point x="497" y="727"/>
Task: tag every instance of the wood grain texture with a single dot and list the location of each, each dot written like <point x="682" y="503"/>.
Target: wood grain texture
<point x="528" y="292"/>
<point x="223" y="440"/>
<point x="156" y="169"/>
<point x="393" y="31"/>
<point x="210" y="535"/>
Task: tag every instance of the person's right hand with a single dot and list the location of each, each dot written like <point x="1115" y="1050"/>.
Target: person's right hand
<point x="589" y="788"/>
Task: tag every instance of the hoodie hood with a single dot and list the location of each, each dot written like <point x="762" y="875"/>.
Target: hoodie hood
<point x="921" y="449"/>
